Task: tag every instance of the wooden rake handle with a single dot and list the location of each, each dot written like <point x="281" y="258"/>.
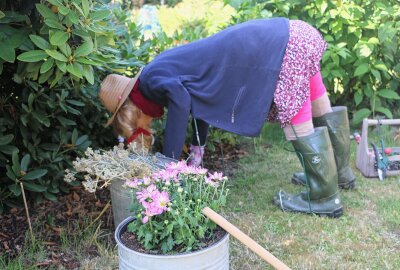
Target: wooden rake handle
<point x="245" y="239"/>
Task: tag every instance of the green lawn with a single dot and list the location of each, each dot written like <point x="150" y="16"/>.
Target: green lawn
<point x="367" y="236"/>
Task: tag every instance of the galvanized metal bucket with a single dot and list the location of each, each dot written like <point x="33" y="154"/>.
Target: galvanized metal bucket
<point x="121" y="197"/>
<point x="215" y="257"/>
<point x="121" y="201"/>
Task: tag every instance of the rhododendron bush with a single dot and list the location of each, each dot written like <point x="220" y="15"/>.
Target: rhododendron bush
<point x="168" y="207"/>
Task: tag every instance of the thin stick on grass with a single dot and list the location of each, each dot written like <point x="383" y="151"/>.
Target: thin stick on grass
<point x="97" y="218"/>
<point x="26" y="210"/>
<point x="245" y="239"/>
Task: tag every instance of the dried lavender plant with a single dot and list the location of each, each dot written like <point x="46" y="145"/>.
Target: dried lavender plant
<point x="100" y="167"/>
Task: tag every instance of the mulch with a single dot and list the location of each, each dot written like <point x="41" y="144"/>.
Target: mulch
<point x="51" y="218"/>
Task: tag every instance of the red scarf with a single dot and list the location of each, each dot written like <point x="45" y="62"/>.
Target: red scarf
<point x="137" y="133"/>
<point x="148" y="107"/>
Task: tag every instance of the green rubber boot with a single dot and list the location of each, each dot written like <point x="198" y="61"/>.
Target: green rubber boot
<point x="339" y="132"/>
<point x="322" y="197"/>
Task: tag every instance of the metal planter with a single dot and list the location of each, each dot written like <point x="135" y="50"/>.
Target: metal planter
<point x="214" y="257"/>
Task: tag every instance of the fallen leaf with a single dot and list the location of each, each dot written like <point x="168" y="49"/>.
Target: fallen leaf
<point x="57" y="230"/>
<point x="76" y="196"/>
<point x="98" y="203"/>
<point x="45" y="263"/>
<point x="69" y="209"/>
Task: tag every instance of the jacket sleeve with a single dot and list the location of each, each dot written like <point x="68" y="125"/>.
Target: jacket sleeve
<point x="177" y="118"/>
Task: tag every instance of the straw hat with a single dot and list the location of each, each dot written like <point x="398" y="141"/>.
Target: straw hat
<point x="114" y="91"/>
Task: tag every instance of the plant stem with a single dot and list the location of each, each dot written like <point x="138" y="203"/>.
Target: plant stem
<point x="102" y="212"/>
<point x="27" y="210"/>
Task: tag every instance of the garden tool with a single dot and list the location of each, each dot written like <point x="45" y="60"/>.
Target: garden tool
<point x="381" y="159"/>
<point x="245" y="239"/>
<point x="381" y="165"/>
<point x="337" y="123"/>
<point x="322" y="195"/>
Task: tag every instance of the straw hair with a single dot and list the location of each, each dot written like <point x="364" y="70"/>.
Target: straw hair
<point x="114" y="91"/>
<point x="129" y="119"/>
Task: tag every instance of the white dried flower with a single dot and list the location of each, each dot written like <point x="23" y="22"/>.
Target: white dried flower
<point x="99" y="167"/>
<point x="69" y="177"/>
<point x="89" y="186"/>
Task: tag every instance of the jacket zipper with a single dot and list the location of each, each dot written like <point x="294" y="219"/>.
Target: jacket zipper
<point x="237" y="100"/>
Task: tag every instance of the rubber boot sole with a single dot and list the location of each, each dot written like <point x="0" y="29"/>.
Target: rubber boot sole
<point x="345" y="186"/>
<point x="348" y="185"/>
<point x="297" y="181"/>
<point x="334" y="214"/>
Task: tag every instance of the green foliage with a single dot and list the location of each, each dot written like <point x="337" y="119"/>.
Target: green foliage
<point x="131" y="4"/>
<point x="361" y="65"/>
<point x="53" y="55"/>
<point x="209" y="16"/>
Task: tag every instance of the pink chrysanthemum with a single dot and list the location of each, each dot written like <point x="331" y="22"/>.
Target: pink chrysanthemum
<point x="160" y="202"/>
<point x="145" y="196"/>
<point x="189" y="170"/>
<point x="201" y="170"/>
<point x="133" y="183"/>
<point x="215" y="179"/>
<point x="178" y="166"/>
<point x="147" y="181"/>
<point x="167" y="175"/>
<point x="147" y="214"/>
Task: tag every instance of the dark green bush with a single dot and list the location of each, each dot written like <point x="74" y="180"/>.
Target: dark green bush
<point x="53" y="55"/>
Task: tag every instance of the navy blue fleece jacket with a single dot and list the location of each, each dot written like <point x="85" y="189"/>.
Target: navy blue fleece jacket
<point x="227" y="80"/>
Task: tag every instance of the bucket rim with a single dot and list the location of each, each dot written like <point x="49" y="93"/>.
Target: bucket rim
<point x="122" y="227"/>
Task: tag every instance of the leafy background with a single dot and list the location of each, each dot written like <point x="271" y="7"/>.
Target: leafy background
<point x="54" y="53"/>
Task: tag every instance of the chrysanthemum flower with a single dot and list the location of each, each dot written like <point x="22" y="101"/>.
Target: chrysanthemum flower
<point x="147" y="180"/>
<point x="215" y="179"/>
<point x="178" y="166"/>
<point x="145" y="196"/>
<point x="167" y="175"/>
<point x="133" y="183"/>
<point x="160" y="202"/>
